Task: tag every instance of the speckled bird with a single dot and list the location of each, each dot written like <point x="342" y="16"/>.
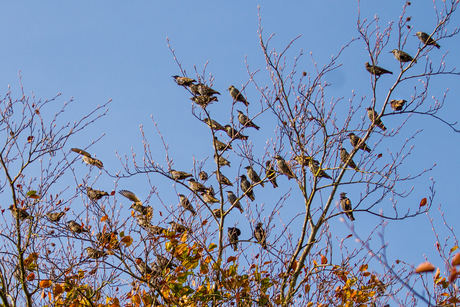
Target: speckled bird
<point x="246" y="187"/>
<point x="253" y="176"/>
<point x="203" y="176"/>
<point x="19" y="213"/>
<point x="87" y="158"/>
<point x="346" y="205"/>
<point x="206" y="90"/>
<point x="260" y="235"/>
<point x="401" y="56"/>
<point x="245" y="121"/>
<point x="316" y="170"/>
<point x="355" y="140"/>
<point x="222" y="160"/>
<point x="75" y="227"/>
<point x="376" y="70"/>
<point x="233" y="234"/>
<point x="179" y="175"/>
<point x="184" y="81"/>
<point x="176" y="227"/>
<point x="373" y="117"/>
<point x="186" y="204"/>
<point x="271" y="173"/>
<point x="344" y="155"/>
<point x="137" y="205"/>
<point x="203" y="101"/>
<point x="55" y="216"/>
<point x="284" y="167"/>
<point x="194" y="89"/>
<point x="142" y="267"/>
<point x="164" y="262"/>
<point x="94" y="253"/>
<point x="95" y="194"/>
<point x="221" y="146"/>
<point x="223" y="180"/>
<point x="426" y="39"/>
<point x="234" y="202"/>
<point x="213" y="124"/>
<point x="397" y="105"/>
<point x="217" y="213"/>
<point x="234" y="134"/>
<point x="237" y="96"/>
<point x="156" y="230"/>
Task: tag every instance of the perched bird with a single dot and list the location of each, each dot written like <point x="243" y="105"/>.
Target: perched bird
<point x="316" y="170"/>
<point x="233" y="200"/>
<point x="223" y="180"/>
<point x="270" y="173"/>
<point x="376" y="70"/>
<point x="143" y="267"/>
<point x="221" y="145"/>
<point x="94" y="253"/>
<point x="87" y="158"/>
<point x="246" y="187"/>
<point x="236" y="95"/>
<point x="284" y="167"/>
<point x="203" y="101"/>
<point x="178" y="227"/>
<point x="19" y="213"/>
<point x="194" y="89"/>
<point x="233" y="234"/>
<point x="373" y="117"/>
<point x="401" y="56"/>
<point x="137" y="205"/>
<point x="178" y="175"/>
<point x="426" y="39"/>
<point x="75" y="227"/>
<point x="164" y="262"/>
<point x="232" y="133"/>
<point x="222" y="160"/>
<point x="253" y="176"/>
<point x="245" y="121"/>
<point x="217" y="213"/>
<point x="209" y="198"/>
<point x="260" y="235"/>
<point x="156" y="230"/>
<point x="346" y="205"/>
<point x="344" y="155"/>
<point x="397" y="105"/>
<point x="55" y="217"/>
<point x="95" y="194"/>
<point x="203" y="176"/>
<point x="107" y="238"/>
<point x="206" y="90"/>
<point x="355" y="140"/>
<point x="144" y="222"/>
<point x="184" y="81"/>
<point x="213" y="124"/>
<point x="196" y="186"/>
<point x="186" y="204"/>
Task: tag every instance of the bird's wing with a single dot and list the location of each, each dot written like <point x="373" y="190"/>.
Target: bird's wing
<point x="129" y="195"/>
<point x="81" y="152"/>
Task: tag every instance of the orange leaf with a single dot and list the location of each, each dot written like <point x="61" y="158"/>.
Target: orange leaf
<point x="58" y="290"/>
<point x="30" y="277"/>
<point x="323" y="259"/>
<point x="127" y="240"/>
<point x="105" y="217"/>
<point x="453" y="275"/>
<point x="232" y="258"/>
<point x="423" y="202"/>
<point x="456" y="259"/>
<point x="363" y="268"/>
<point x="425" y="267"/>
<point x="35" y="196"/>
<point x="379" y="156"/>
<point x="112" y="193"/>
<point x="44" y="283"/>
<point x="437" y="274"/>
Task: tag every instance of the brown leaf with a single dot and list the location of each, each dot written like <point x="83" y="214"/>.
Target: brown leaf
<point x="44" y="283"/>
<point x="112" y="193"/>
<point x="437" y="274"/>
<point x="423" y="202"/>
<point x="379" y="156"/>
<point x="456" y="259"/>
<point x="425" y="267"/>
<point x="127" y="240"/>
<point x="30" y="277"/>
<point x="323" y="259"/>
<point x="453" y="275"/>
<point x="231" y="258"/>
<point x="30" y="139"/>
<point x="105" y="217"/>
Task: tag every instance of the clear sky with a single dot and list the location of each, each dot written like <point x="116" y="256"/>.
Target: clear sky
<point x="94" y="51"/>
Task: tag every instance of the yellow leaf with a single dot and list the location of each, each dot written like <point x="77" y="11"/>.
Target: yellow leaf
<point x="127" y="240"/>
<point x="183" y="237"/>
<point x="45" y="283"/>
<point x="212" y="246"/>
<point x="136" y="299"/>
<point x="453" y="249"/>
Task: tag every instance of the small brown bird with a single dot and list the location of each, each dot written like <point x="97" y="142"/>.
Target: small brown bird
<point x="397" y="105"/>
<point x="213" y="124"/>
<point x="316" y="170"/>
<point x="373" y="117"/>
<point x="184" y="81"/>
<point x="270" y="173"/>
<point x="203" y="101"/>
<point x="196" y="186"/>
<point x="137" y="205"/>
<point x="19" y="213"/>
<point x="186" y="204"/>
<point x="94" y="253"/>
<point x="245" y="121"/>
<point x="346" y="205"/>
<point x="75" y="227"/>
<point x="234" y="134"/>
<point x="143" y="267"/>
<point x="233" y="234"/>
<point x="223" y="180"/>
<point x="222" y="160"/>
<point x="253" y="176"/>
<point x="55" y="217"/>
<point x="401" y="56"/>
<point x="203" y="176"/>
<point x="194" y="89"/>
<point x="95" y="194"/>
<point x="206" y="90"/>
<point x="246" y="187"/>
<point x="376" y="70"/>
<point x="178" y="227"/>
<point x="178" y="175"/>
<point x="234" y="202"/>
<point x="164" y="262"/>
<point x="156" y="230"/>
<point x="217" y="213"/>
<point x="209" y="198"/>
<point x="221" y="145"/>
<point x="87" y="158"/>
<point x="426" y="39"/>
<point x="284" y="167"/>
<point x="236" y="95"/>
<point x="344" y="155"/>
<point x="355" y="140"/>
<point x="144" y="221"/>
<point x="260" y="235"/>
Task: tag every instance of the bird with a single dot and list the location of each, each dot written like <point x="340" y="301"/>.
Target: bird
<point x="206" y="90"/>
<point x="397" y="105"/>
<point x="260" y="235"/>
<point x="144" y="222"/>
<point x="75" y="227"/>
<point x="19" y="213"/>
<point x="233" y="234"/>
<point x="221" y="145"/>
<point x="223" y="180"/>
<point x="346" y="205"/>
<point x="355" y="140"/>
<point x="426" y="39"/>
<point x="316" y="170"/>
<point x="194" y="89"/>
<point x="236" y="95"/>
<point x="245" y="121"/>
<point x="184" y="81"/>
<point x="270" y="173"/>
<point x="253" y="176"/>
<point x="196" y="186"/>
<point x="344" y="155"/>
<point x="376" y="70"/>
<point x="222" y="160"/>
<point x="156" y="230"/>
<point x="213" y="124"/>
<point x="373" y="117"/>
<point x="164" y="262"/>
<point x="284" y="167"/>
<point x="95" y="194"/>
<point x="233" y="200"/>
<point x="179" y="175"/>
<point x="217" y="213"/>
<point x="178" y="227"/>
<point x="107" y="238"/>
<point x="87" y="158"/>
<point x="137" y="205"/>
<point x="186" y="204"/>
<point x="203" y="176"/>
<point x="143" y="267"/>
<point x="55" y="217"/>
<point x="94" y="253"/>
<point x="232" y="133"/>
<point x="203" y="101"/>
<point x="246" y="187"/>
<point x="401" y="56"/>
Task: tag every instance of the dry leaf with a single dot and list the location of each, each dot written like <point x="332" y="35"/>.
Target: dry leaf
<point x="44" y="283"/>
<point x="423" y="202"/>
<point x="425" y="267"/>
<point x="456" y="259"/>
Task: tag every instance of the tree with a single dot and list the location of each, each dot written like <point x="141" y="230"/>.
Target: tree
<point x="223" y="247"/>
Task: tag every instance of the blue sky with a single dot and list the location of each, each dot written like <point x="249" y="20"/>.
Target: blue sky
<point x="94" y="51"/>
